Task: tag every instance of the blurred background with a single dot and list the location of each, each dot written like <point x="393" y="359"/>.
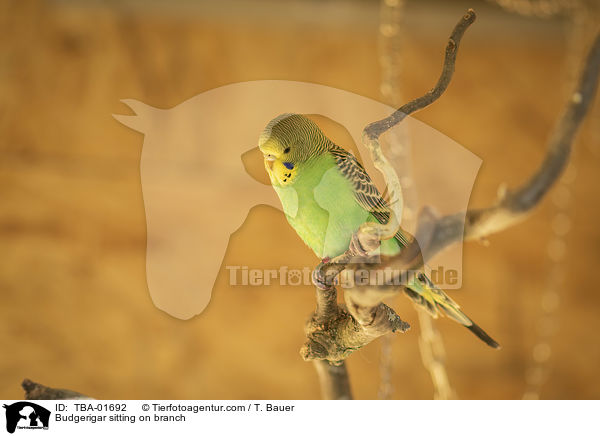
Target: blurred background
<point x="75" y="311"/>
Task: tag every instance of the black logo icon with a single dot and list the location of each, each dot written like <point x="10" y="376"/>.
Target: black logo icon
<point x="26" y="415"/>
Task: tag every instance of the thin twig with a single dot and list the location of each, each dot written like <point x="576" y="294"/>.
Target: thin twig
<point x="374" y="130"/>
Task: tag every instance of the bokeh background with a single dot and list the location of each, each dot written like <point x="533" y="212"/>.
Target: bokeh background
<point x="75" y="311"/>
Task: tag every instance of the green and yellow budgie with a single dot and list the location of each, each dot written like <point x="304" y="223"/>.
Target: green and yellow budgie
<point x="326" y="195"/>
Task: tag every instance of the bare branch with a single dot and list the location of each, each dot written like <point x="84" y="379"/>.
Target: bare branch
<point x="514" y="206"/>
<point x="334" y="334"/>
<point x="36" y="391"/>
<point x="374" y="130"/>
<point x="335" y="384"/>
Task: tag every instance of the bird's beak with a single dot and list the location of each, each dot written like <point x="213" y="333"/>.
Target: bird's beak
<point x="270" y="159"/>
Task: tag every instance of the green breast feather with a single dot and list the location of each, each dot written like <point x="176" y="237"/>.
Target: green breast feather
<point x="322" y="207"/>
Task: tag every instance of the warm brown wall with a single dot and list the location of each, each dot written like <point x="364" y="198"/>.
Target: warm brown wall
<point x="75" y="311"/>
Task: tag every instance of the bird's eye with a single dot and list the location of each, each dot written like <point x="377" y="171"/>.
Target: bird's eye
<point x="287" y="150"/>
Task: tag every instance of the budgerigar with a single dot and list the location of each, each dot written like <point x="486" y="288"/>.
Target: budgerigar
<point x="326" y="195"/>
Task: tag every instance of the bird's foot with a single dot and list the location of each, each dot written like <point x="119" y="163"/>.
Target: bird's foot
<point x="319" y="278"/>
<point x="358" y="248"/>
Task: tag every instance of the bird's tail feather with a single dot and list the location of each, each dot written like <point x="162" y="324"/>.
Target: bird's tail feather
<point x="481" y="334"/>
<point x="435" y="301"/>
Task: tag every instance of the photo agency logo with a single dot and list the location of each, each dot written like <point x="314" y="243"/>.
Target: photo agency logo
<point x="284" y="276"/>
<point x="25" y="415"/>
<point x="207" y="163"/>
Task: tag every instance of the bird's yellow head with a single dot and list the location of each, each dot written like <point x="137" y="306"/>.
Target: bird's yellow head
<point x="287" y="142"/>
<point x="279" y="162"/>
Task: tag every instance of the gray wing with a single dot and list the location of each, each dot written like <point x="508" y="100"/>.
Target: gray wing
<point x="365" y="191"/>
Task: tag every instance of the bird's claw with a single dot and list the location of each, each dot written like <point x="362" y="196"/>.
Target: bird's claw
<point x="319" y="279"/>
<point x="356" y="247"/>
